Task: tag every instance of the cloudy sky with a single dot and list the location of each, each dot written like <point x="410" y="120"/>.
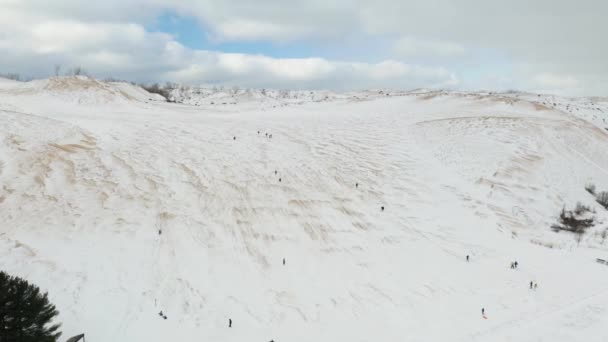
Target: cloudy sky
<point x="556" y="46"/>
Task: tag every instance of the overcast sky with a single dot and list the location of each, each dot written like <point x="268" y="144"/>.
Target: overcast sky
<point x="556" y="46"/>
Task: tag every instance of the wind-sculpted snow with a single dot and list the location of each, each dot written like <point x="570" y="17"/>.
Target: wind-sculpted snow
<point x="121" y="210"/>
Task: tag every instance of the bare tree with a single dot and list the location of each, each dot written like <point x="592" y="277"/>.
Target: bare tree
<point x="602" y="198"/>
<point x="575" y="221"/>
<point x="590" y="188"/>
<point x="11" y="76"/>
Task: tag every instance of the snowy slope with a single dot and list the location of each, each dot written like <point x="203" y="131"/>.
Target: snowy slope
<point x="220" y="97"/>
<point x="88" y="185"/>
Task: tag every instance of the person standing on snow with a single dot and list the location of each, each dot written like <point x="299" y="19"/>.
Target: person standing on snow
<point x="229" y="323"/>
<point x="467" y="258"/>
<point x="530" y="285"/>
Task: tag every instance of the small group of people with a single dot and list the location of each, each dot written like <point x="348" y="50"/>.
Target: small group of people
<point x="161" y="314"/>
<point x="269" y="136"/>
<point x="514" y="264"/>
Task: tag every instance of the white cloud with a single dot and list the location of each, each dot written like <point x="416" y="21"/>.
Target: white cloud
<point x="262" y="71"/>
<point x="556" y="37"/>
<point x="555" y="81"/>
<point x="555" y="84"/>
<point x="246" y="29"/>
<point x="128" y="50"/>
<point x="410" y="46"/>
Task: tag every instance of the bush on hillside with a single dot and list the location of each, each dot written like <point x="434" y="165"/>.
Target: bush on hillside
<point x="602" y="198"/>
<point x="157" y="89"/>
<point x="590" y="188"/>
<point x="11" y="76"/>
<point x="25" y="312"/>
<point x="76" y="71"/>
<point x="576" y="221"/>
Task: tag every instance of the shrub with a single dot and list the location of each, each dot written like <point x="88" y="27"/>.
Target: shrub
<point x="156" y="89"/>
<point x="25" y="312"/>
<point x="575" y="221"/>
<point x="11" y="76"/>
<point x="602" y="198"/>
<point x="581" y="209"/>
<point x="590" y="188"/>
<point x="77" y="71"/>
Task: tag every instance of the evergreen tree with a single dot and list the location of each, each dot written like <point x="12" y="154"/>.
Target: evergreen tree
<point x="25" y="312"/>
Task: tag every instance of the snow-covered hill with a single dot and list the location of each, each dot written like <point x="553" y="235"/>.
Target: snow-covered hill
<point x="263" y="98"/>
<point x="121" y="206"/>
